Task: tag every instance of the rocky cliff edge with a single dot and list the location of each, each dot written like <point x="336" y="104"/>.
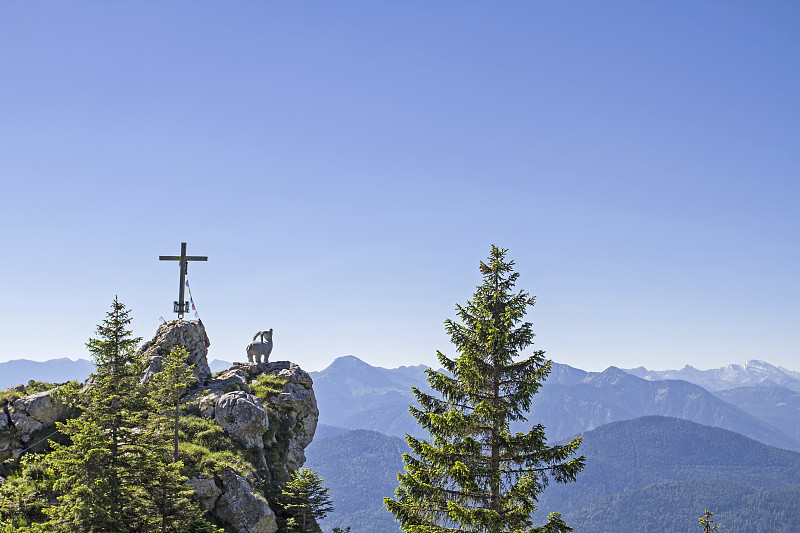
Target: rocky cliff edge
<point x="267" y="413"/>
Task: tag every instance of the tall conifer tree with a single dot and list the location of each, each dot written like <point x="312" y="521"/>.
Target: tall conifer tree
<point x="101" y="470"/>
<point x="475" y="475"/>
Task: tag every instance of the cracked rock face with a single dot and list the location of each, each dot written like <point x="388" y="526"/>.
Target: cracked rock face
<point x="35" y="412"/>
<point x="206" y="490"/>
<point x="240" y="507"/>
<point x="243" y="416"/>
<point x="190" y="334"/>
<point x="20" y="421"/>
<point x="10" y="448"/>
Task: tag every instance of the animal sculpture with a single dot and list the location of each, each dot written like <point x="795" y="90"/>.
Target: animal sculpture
<point x="260" y="349"/>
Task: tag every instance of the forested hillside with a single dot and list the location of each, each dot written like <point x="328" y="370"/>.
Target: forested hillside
<point x="675" y="507"/>
<point x="651" y="470"/>
<point x="360" y="468"/>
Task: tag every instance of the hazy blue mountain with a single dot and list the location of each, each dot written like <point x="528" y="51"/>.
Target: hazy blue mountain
<point x="355" y="395"/>
<point x="324" y="431"/>
<point x="633" y="454"/>
<point x="666" y="471"/>
<point x="349" y="386"/>
<point x="53" y="371"/>
<point x="639" y="473"/>
<point x="359" y="468"/>
<point x="777" y="406"/>
<point x="218" y="365"/>
<point x="60" y="370"/>
<point x="750" y="373"/>
<point x="613" y="395"/>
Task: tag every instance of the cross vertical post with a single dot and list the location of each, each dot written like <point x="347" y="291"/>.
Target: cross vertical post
<point x="183" y="266"/>
<point x="181" y="306"/>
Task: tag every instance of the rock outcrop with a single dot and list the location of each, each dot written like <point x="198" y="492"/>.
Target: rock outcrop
<point x="35" y="412"/>
<point x="206" y="490"/>
<point x="241" y="507"/>
<point x="295" y="407"/>
<point x="191" y="334"/>
<point x="268" y="409"/>
<point x="277" y="427"/>
<point x="26" y="421"/>
<point x="243" y="416"/>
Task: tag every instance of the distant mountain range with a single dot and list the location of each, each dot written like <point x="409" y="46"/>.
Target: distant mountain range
<point x="355" y="395"/>
<point x="777" y="406"/>
<point x="751" y="373"/>
<point x="649" y="474"/>
<point x="20" y="371"/>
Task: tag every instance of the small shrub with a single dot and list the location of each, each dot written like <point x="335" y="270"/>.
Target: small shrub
<point x="234" y="386"/>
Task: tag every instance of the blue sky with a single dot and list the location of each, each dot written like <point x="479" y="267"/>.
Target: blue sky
<point x="346" y="165"/>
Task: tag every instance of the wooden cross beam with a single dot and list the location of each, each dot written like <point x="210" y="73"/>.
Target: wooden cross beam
<point x="181" y="307"/>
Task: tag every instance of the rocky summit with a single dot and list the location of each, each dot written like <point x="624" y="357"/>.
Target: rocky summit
<point x="191" y="334"/>
<point x="267" y="409"/>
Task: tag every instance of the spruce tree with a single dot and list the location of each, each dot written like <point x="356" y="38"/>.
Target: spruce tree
<point x="120" y="470"/>
<point x="102" y="470"/>
<point x="167" y="390"/>
<point x="475" y="475"/>
<point x="305" y="499"/>
<point x="707" y="522"/>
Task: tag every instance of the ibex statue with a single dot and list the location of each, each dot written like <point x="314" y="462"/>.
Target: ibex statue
<point x="260" y="349"/>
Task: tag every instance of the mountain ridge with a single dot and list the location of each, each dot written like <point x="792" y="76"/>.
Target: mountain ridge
<point x="753" y="372"/>
<point x="570" y="401"/>
<point x="59" y="370"/>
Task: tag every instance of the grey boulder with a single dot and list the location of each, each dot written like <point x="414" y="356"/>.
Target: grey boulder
<point x="243" y="417"/>
<point x="240" y="507"/>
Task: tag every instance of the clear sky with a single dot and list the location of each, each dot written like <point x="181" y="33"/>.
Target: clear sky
<point x="346" y="165"/>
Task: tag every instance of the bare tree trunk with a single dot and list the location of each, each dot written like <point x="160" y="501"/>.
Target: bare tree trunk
<point x="495" y="461"/>
<point x="175" y="451"/>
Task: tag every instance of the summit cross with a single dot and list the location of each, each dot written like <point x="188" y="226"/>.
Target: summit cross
<point x="181" y="306"/>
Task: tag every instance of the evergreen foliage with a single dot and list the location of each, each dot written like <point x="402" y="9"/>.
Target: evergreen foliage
<point x="166" y="391"/>
<point x="707" y="522"/>
<point x="170" y="494"/>
<point x="117" y="469"/>
<point x="99" y="474"/>
<point x="305" y="500"/>
<point x="475" y="475"/>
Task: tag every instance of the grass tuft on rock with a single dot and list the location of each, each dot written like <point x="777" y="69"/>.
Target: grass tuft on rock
<point x="267" y="385"/>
